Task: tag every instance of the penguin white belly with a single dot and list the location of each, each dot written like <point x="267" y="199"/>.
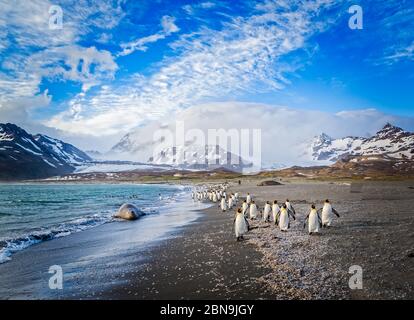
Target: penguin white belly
<point x="327" y="215"/>
<point x="275" y="210"/>
<point x="230" y="203"/>
<point x="248" y="199"/>
<point x="284" y="220"/>
<point x="253" y="212"/>
<point x="223" y="205"/>
<point x="266" y="212"/>
<point x="240" y="226"/>
<point x="244" y="207"/>
<point x="313" y="222"/>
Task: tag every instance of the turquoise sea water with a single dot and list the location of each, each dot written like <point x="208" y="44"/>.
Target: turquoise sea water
<point x="32" y="213"/>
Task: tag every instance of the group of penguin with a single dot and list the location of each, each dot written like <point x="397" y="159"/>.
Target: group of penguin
<point x="279" y="215"/>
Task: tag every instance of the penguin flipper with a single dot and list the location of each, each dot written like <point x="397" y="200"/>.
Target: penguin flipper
<point x="336" y="212"/>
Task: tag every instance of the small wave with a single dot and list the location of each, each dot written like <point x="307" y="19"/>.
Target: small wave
<point x="6" y="214"/>
<point x="9" y="247"/>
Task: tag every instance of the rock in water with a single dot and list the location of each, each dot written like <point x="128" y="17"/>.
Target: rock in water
<point x="129" y="212"/>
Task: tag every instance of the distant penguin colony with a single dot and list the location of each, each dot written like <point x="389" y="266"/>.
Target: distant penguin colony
<point x="279" y="215"/>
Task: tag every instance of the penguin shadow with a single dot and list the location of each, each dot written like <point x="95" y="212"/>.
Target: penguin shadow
<point x="315" y="234"/>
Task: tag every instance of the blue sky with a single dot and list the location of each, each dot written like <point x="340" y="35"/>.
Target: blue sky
<point x="116" y="65"/>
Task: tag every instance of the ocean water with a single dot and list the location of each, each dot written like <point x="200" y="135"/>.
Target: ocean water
<point x="32" y="213"/>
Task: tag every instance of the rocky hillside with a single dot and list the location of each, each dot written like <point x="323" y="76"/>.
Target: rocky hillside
<point x="391" y="141"/>
<point x="26" y="156"/>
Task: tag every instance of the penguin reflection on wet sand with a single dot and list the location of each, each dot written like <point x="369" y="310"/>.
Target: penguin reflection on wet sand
<point x="241" y="225"/>
<point x="327" y="214"/>
<point x="283" y="218"/>
<point x="314" y="220"/>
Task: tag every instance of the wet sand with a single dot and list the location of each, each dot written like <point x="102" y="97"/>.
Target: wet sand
<point x="203" y="261"/>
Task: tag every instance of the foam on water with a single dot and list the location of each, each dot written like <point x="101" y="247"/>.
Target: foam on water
<point x="30" y="214"/>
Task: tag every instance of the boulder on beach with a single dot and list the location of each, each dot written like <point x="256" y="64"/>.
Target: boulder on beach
<point x="129" y="212"/>
<point x="269" y="183"/>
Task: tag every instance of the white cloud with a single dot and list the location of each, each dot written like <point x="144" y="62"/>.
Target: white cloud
<point x="36" y="51"/>
<point x="247" y="51"/>
<point x="191" y="8"/>
<point x="75" y="63"/>
<point x="285" y="131"/>
<point x="400" y="53"/>
<point x="168" y="27"/>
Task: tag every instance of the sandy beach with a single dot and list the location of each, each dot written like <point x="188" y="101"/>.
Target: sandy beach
<point x="203" y="260"/>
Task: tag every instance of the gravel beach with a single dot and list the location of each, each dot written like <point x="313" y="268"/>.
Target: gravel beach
<point x="203" y="260"/>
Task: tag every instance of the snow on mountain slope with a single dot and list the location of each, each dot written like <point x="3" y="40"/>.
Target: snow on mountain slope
<point x="62" y="150"/>
<point x="391" y="141"/>
<point x="24" y="156"/>
<point x="199" y="157"/>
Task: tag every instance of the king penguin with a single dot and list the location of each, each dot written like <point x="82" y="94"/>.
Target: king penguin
<point x="244" y="207"/>
<point x="284" y="218"/>
<point x="253" y="210"/>
<point x="275" y="211"/>
<point x="327" y="214"/>
<point x="314" y="221"/>
<point x="266" y="212"/>
<point x="241" y="226"/>
<point x="223" y="204"/>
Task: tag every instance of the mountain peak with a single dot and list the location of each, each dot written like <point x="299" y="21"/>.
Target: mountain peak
<point x="27" y="156"/>
<point x="389" y="130"/>
<point x="321" y="139"/>
<point x="9" y="131"/>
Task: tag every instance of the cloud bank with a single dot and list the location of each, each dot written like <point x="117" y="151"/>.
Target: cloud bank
<point x="284" y="131"/>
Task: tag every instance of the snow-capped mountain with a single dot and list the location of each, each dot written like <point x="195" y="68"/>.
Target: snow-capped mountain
<point x="390" y="141"/>
<point x="62" y="150"/>
<point x="24" y="156"/>
<point x="199" y="157"/>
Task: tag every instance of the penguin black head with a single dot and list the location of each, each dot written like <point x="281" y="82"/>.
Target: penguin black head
<point x="267" y="202"/>
<point x="275" y="201"/>
<point x="239" y="210"/>
<point x="284" y="205"/>
<point x="313" y="206"/>
<point x="327" y="201"/>
<point x="287" y="200"/>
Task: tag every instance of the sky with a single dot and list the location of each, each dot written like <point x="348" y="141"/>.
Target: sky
<point x="115" y="66"/>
